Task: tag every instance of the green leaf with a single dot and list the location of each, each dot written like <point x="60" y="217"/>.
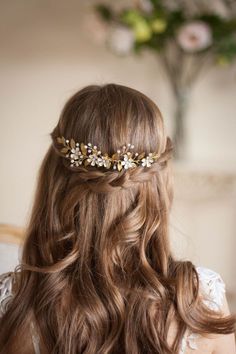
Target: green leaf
<point x="131" y="17"/>
<point x="227" y="48"/>
<point x="159" y="25"/>
<point x="156" y="3"/>
<point x="142" y="31"/>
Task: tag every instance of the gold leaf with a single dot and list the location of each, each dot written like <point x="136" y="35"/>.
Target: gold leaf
<point x="155" y="156"/>
<point x="65" y="150"/>
<point x="141" y="156"/>
<point x="86" y="163"/>
<point x="108" y="164"/>
<point x="115" y="156"/>
<point x="119" y="166"/>
<point x="83" y="149"/>
<point x="132" y="155"/>
<point x="60" y="140"/>
<point x="72" y="143"/>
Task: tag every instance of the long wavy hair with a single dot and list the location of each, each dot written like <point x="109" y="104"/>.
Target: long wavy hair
<point x="97" y="273"/>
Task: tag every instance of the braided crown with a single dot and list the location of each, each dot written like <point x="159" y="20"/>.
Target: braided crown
<point x="86" y="154"/>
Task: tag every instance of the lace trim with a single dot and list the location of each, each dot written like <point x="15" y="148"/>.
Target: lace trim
<point x="212" y="288"/>
<point x="6" y="282"/>
<point x="189" y="339"/>
<point x="5" y="291"/>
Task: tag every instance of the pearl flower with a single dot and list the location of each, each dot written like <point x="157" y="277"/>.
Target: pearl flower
<point x="101" y="161"/>
<point x="127" y="163"/>
<point x="93" y="158"/>
<point x="147" y="161"/>
<point x="75" y="153"/>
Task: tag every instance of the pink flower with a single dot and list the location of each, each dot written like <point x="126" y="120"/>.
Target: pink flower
<point x="194" y="36"/>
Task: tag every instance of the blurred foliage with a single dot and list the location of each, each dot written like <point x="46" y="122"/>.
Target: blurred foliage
<point x="160" y="24"/>
<point x="188" y="36"/>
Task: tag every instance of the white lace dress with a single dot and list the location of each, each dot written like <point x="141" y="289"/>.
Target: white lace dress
<point x="211" y="285"/>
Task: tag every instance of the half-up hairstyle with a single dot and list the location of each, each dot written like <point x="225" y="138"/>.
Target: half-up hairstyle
<point x="97" y="273"/>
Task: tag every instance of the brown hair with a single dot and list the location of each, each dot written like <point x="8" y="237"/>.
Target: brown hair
<point x="97" y="273"/>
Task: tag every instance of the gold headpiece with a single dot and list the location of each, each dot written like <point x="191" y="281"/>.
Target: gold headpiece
<point x="86" y="154"/>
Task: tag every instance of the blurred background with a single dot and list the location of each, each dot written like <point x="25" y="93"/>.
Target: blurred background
<point x="179" y="54"/>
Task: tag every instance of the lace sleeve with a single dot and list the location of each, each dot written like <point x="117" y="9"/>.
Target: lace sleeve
<point x="5" y="291"/>
<point x="212" y="288"/>
<point x="6" y="295"/>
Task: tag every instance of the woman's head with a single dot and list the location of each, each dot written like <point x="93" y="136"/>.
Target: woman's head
<point x="111" y="116"/>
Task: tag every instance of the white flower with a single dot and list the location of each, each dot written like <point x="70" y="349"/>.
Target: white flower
<point x="194" y="36"/>
<point x="101" y="161"/>
<point x="121" y="40"/>
<point x="93" y="159"/>
<point x="147" y="161"/>
<point x="75" y="153"/>
<point x="77" y="163"/>
<point x="127" y="163"/>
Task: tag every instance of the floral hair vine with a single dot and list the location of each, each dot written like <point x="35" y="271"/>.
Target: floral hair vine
<point x="86" y="154"/>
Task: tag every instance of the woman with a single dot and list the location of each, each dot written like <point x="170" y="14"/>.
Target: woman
<point x="97" y="273"/>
